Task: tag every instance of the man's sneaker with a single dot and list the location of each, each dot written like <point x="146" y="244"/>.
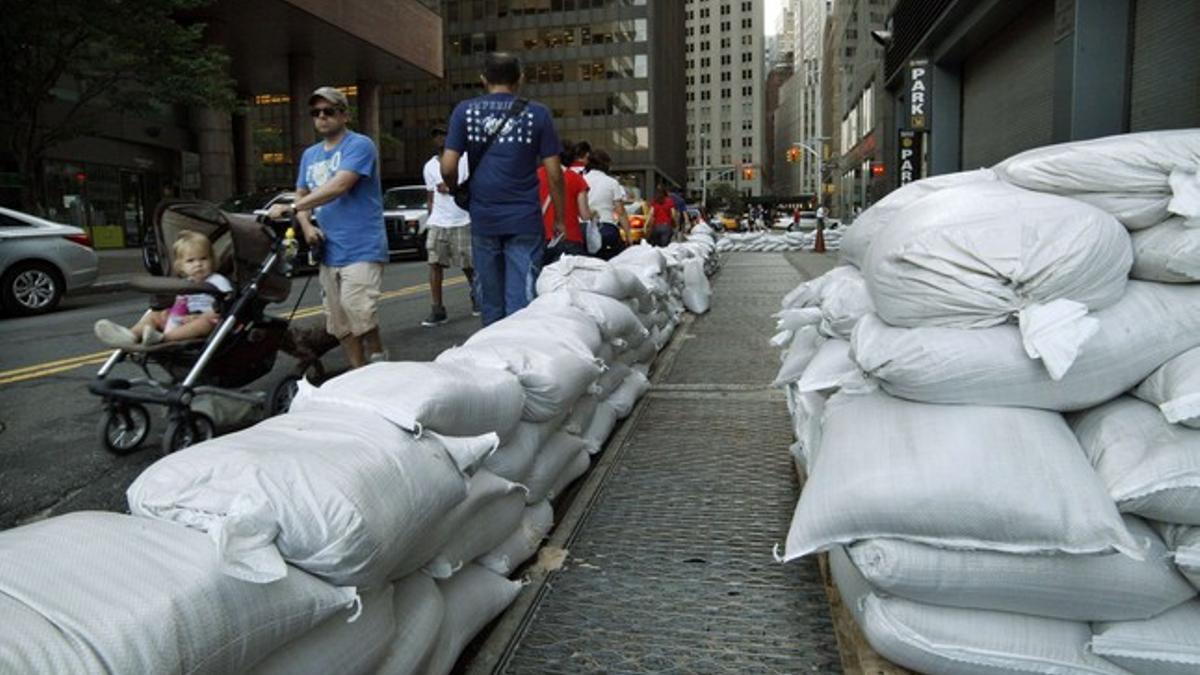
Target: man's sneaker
<point x="114" y="335"/>
<point x="474" y="305"/>
<point x="437" y="316"/>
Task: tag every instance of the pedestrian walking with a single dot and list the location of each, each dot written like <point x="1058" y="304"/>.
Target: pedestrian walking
<point x="448" y="239"/>
<point x="506" y="138"/>
<point x="573" y="241"/>
<point x="338" y="185"/>
<point x="606" y="199"/>
<point x="663" y="217"/>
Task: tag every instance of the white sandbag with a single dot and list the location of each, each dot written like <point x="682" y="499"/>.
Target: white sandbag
<point x="593" y="275"/>
<point x="571" y="326"/>
<point x="1175" y="389"/>
<point x="604" y="420"/>
<point x="804" y="346"/>
<point x="339" y="645"/>
<point x="92" y="592"/>
<point x="1109" y="587"/>
<point x="419" y="610"/>
<point x="954" y="641"/>
<point x="340" y="493"/>
<point x="1168" y="644"/>
<point x="831" y="368"/>
<point x="835" y="300"/>
<point x="612" y="378"/>
<point x="988" y="366"/>
<point x="552" y="375"/>
<point x="983" y="254"/>
<point x="494" y="513"/>
<point x="987" y="478"/>
<point x="515" y="457"/>
<point x="880" y="214"/>
<point x="642" y="354"/>
<point x="1151" y="467"/>
<point x="614" y="317"/>
<point x="1183" y="541"/>
<point x="440" y="549"/>
<point x="1129" y="174"/>
<point x="808" y="410"/>
<point x="536" y="523"/>
<point x="570" y="474"/>
<point x="474" y="597"/>
<point x="445" y="398"/>
<point x="626" y="396"/>
<point x="552" y="460"/>
<point x="582" y="414"/>
<point x="697" y="293"/>
<point x="1169" y="252"/>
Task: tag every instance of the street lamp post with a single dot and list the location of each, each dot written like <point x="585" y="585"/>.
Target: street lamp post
<point x="820" y="164"/>
<point x="704" y="175"/>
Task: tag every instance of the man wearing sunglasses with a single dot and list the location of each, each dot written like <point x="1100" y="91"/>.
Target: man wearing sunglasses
<point x="339" y="186"/>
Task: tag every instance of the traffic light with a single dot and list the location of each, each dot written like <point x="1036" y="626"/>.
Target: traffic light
<point x="793" y="154"/>
<point x="748" y="173"/>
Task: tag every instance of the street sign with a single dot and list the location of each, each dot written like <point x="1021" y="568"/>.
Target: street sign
<point x="919" y="101"/>
<point x="909" y="164"/>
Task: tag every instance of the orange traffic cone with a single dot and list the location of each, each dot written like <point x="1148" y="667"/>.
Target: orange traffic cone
<point x="819" y="242"/>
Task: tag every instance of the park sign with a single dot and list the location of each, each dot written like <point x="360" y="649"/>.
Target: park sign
<point x="919" y="101"/>
<point x="909" y="165"/>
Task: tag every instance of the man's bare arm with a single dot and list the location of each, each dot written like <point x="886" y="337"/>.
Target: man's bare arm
<point x="558" y="197"/>
<point x="450" y="167"/>
<point x="335" y="187"/>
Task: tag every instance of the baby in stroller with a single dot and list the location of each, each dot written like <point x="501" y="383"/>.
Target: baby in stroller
<point x="192" y="316"/>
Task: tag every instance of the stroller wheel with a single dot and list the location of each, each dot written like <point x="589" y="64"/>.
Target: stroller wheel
<point x="282" y="395"/>
<point x="124" y="427"/>
<point x="186" y="430"/>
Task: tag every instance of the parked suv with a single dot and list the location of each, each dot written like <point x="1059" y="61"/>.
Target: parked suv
<point x="406" y="216"/>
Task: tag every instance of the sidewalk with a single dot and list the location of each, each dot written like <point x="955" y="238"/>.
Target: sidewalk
<point x="117" y="267"/>
<point x="670" y="538"/>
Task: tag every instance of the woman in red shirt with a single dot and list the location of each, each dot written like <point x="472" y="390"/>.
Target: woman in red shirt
<point x="575" y="188"/>
<point x="662" y="218"/>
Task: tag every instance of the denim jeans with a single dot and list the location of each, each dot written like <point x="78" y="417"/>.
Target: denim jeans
<point x="506" y="271"/>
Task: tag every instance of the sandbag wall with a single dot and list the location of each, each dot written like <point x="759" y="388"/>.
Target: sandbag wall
<point x="775" y="242"/>
<point x="996" y="401"/>
<point x="376" y="526"/>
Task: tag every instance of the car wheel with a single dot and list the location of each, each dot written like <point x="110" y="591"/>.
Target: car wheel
<point x="31" y="288"/>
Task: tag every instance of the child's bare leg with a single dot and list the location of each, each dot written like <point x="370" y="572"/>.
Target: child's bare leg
<point x="196" y="327"/>
<point x="151" y="318"/>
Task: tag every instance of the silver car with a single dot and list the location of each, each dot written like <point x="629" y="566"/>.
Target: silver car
<point x="40" y="261"/>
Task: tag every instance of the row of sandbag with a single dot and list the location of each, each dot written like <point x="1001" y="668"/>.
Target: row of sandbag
<point x="401" y="495"/>
<point x="979" y="538"/>
<point x="775" y="242"/>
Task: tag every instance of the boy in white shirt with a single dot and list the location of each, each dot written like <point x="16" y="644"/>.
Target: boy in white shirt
<point x="448" y="239"/>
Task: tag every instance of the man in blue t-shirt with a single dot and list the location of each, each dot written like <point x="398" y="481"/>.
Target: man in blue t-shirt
<point x="507" y="237"/>
<point x="339" y="186"/>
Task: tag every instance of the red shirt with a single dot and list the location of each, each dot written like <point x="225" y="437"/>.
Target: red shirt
<point x="573" y="185"/>
<point x="661" y="210"/>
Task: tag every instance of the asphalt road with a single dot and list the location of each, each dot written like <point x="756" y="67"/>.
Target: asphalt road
<point x="51" y="458"/>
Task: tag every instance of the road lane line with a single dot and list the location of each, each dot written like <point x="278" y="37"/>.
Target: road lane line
<point x="48" y="368"/>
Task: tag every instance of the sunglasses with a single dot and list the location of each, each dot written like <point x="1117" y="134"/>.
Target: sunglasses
<point x="324" y="112"/>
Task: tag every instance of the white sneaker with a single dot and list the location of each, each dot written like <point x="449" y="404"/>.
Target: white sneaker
<point x="114" y="335"/>
<point x="151" y="336"/>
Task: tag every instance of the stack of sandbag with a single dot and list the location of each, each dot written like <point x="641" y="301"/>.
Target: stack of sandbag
<point x="972" y="528"/>
<point x="775" y="242"/>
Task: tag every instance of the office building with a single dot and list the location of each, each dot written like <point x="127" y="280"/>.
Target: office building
<point x="799" y="118"/>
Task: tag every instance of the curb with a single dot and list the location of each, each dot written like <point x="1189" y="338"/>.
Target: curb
<point x="103" y="287"/>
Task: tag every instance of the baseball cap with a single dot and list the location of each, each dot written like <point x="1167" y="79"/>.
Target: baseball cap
<point x="331" y="95"/>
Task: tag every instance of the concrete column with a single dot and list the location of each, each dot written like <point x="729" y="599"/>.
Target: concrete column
<point x="945" y="138"/>
<point x="243" y="153"/>
<point x="214" y="140"/>
<point x="301" y="83"/>
<point x="1091" y="68"/>
<point x="368" y="111"/>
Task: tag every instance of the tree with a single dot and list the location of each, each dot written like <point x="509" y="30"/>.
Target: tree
<point x="93" y="56"/>
<point x="725" y="197"/>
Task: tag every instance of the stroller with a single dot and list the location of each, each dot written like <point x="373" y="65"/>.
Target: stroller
<point x="242" y="348"/>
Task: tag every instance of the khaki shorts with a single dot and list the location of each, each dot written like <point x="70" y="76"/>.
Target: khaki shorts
<point x="449" y="246"/>
<point x="351" y="298"/>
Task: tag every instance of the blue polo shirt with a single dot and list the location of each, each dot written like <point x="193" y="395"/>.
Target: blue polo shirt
<point x="352" y="223"/>
<point x="504" y="187"/>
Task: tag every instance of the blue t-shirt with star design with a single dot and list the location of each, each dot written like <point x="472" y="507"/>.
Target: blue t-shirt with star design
<point x="504" y="187"/>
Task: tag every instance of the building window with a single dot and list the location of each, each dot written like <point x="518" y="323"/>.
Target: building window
<point x="748" y="90"/>
<point x="726" y="93"/>
<point x="747" y="142"/>
<point x="747" y="57"/>
<point x="726" y="59"/>
<point x="747" y="23"/>
<point x="726" y="43"/>
<point x="726" y="76"/>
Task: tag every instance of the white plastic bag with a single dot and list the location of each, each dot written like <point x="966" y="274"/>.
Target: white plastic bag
<point x="1151" y="467"/>
<point x="988" y="478"/>
<point x="339" y="645"/>
<point x="92" y="592"/>
<point x="988" y="366"/>
<point x="980" y="255"/>
<point x="1175" y="389"/>
<point x="340" y="493"/>
<point x="1168" y="644"/>
<point x="420" y="611"/>
<point x="473" y="598"/>
<point x="1169" y="252"/>
<point x="955" y="641"/>
<point x="1109" y="587"/>
<point x="520" y="546"/>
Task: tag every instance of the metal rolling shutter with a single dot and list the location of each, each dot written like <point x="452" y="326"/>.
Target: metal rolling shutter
<point x="1008" y="89"/>
<point x="1166" y="65"/>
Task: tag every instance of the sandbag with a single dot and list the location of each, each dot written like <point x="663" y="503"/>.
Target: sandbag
<point x="879" y="215"/>
<point x="569" y="326"/>
<point x="593" y="275"/>
<point x="1168" y="644"/>
<point x="552" y="460"/>
<point x="614" y="375"/>
<point x="440" y="551"/>
<point x="581" y="414"/>
<point x="697" y="293"/>
<point x="553" y="376"/>
<point x="1169" y="252"/>
<point x="339" y="645"/>
<point x="515" y="457"/>
<point x="1128" y="174"/>
<point x="642" y="354"/>
<point x="616" y="320"/>
<point x="340" y="493"/>
<point x="839" y="297"/>
<point x="571" y="473"/>
<point x="604" y="420"/>
<point x="1110" y="587"/>
<point x="1183" y="541"/>
<point x="92" y="592"/>
<point x="831" y="367"/>
<point x="445" y="398"/>
<point x="1175" y="389"/>
<point x="803" y="348"/>
<point x="1151" y="467"/>
<point x="955" y="641"/>
<point x="988" y="366"/>
<point x="987" y="478"/>
<point x="626" y="396"/>
<point x="982" y="254"/>
<point x="419" y="610"/>
<point x="536" y="522"/>
<point x="473" y="598"/>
